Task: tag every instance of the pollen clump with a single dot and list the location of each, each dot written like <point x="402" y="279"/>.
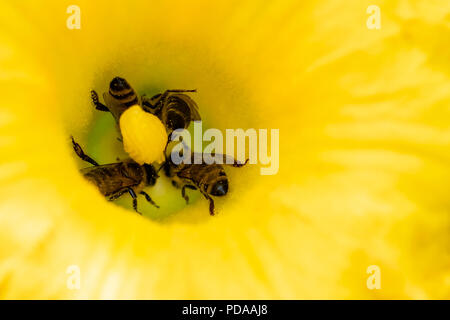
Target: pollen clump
<point x="144" y="135"/>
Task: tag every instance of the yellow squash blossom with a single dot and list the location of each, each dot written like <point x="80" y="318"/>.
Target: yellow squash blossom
<point x="364" y="176"/>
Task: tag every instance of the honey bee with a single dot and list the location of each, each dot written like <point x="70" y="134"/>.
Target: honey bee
<point x="115" y="179"/>
<point x="209" y="179"/>
<point x="175" y="109"/>
<point x="119" y="98"/>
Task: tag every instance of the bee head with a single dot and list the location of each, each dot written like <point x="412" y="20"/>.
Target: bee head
<point x="220" y="188"/>
<point x="119" y="84"/>
<point x="151" y="174"/>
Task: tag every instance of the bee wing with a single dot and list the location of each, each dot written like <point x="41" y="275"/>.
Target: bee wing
<point x="112" y="104"/>
<point x="109" y="166"/>
<point x="110" y="175"/>
<point x="186" y="174"/>
<point x="195" y="115"/>
<point x="109" y="100"/>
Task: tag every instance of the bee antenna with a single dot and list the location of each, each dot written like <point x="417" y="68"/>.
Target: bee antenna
<point x="162" y="166"/>
<point x="165" y="148"/>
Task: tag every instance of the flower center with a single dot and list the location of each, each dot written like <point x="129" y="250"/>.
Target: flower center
<point x="220" y="98"/>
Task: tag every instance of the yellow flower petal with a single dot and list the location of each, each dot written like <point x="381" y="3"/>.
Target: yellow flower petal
<point x="364" y="149"/>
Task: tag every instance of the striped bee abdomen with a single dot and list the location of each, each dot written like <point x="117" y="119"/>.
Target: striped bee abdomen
<point x="121" y="90"/>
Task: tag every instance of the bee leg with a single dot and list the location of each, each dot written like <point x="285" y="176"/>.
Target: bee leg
<point x="146" y="102"/>
<point x="211" y="203"/>
<point x="235" y="163"/>
<point x="238" y="164"/>
<point x="133" y="195"/>
<point x="183" y="192"/>
<point x="153" y="105"/>
<point x="98" y="105"/>
<point x="80" y="153"/>
<point x="175" y="184"/>
<point x="184" y="195"/>
<point x="228" y="160"/>
<point x="147" y="197"/>
<point x="117" y="195"/>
